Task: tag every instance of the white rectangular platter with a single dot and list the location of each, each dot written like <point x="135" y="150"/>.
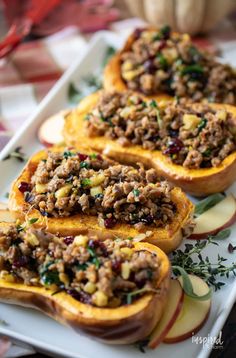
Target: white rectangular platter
<point x="42" y="332"/>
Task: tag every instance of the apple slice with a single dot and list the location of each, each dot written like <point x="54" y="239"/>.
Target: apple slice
<point x="217" y="218"/>
<point x="6" y="216"/>
<point x="193" y="313"/>
<point x="50" y="132"/>
<point x="172" y="309"/>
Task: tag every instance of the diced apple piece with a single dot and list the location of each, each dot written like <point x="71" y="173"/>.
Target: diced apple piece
<point x="217" y="218"/>
<point x="193" y="313"/>
<point x="6" y="216"/>
<point x="50" y="132"/>
<point x="172" y="309"/>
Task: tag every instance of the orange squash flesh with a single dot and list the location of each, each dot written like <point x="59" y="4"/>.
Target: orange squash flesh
<point x="123" y="325"/>
<point x="168" y="238"/>
<point x="198" y="182"/>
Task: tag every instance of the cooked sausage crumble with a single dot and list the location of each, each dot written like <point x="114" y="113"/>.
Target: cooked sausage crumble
<point x="193" y="136"/>
<point x="163" y="61"/>
<point x="67" y="183"/>
<point x="106" y="273"/>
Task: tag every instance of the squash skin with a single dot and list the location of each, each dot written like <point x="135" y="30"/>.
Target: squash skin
<point x="123" y="325"/>
<point x="112" y="80"/>
<point x="198" y="182"/>
<point x="168" y="239"/>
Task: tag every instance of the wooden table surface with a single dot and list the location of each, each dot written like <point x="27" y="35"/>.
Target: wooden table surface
<point x="227" y="350"/>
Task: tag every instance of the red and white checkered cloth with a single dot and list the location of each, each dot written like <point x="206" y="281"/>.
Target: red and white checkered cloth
<point x="27" y="76"/>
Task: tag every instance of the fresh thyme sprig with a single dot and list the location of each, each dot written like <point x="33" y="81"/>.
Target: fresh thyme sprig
<point x="200" y="266"/>
<point x="17" y="154"/>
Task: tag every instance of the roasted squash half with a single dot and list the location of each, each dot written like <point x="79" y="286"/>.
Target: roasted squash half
<point x="198" y="182"/>
<point x="162" y="69"/>
<point x="168" y="238"/>
<point x="122" y="325"/>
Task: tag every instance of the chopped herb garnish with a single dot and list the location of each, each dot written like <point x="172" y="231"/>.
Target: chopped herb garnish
<point x="67" y="154"/>
<point x="85" y="182"/>
<point x="131" y="295"/>
<point x="208" y="203"/>
<point x="49" y="277"/>
<point x="136" y="192"/>
<point x="202" y="124"/>
<point x="162" y="60"/>
<point x="207" y="152"/>
<point x="82" y="267"/>
<point x="32" y="221"/>
<point x="224" y="234"/>
<point x="84" y="165"/>
<point x="165" y="31"/>
<point x="96" y="262"/>
<point x="93" y="156"/>
<point x="191" y="69"/>
<point x="153" y="104"/>
<point x="17" y="154"/>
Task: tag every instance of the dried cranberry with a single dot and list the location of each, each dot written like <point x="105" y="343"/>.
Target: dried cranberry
<point x="162" y="45"/>
<point x="149" y="66"/>
<point x="74" y="294"/>
<point x="99" y="157"/>
<point x="116" y="265"/>
<point x="103" y="249"/>
<point x="137" y="33"/>
<point x="93" y="244"/>
<point x="68" y="240"/>
<point x="174" y="146"/>
<point x="20" y="262"/>
<point x="82" y="157"/>
<point x="23" y="187"/>
<point x="147" y="219"/>
<point x="109" y="223"/>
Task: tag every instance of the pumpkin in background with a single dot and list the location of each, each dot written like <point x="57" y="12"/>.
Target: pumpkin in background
<point x="182" y="15"/>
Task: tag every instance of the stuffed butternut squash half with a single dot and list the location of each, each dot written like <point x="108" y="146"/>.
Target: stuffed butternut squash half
<point x="73" y="192"/>
<point x="164" y="64"/>
<point x="191" y="145"/>
<point x="114" y="290"/>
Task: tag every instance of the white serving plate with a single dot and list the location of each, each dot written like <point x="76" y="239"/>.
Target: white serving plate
<point x="42" y="332"/>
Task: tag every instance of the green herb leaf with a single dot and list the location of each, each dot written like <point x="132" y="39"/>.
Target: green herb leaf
<point x="163" y="61"/>
<point x="191" y="69"/>
<point x="32" y="221"/>
<point x="130" y="295"/>
<point x="82" y="267"/>
<point x="17" y="154"/>
<point x="202" y="124"/>
<point x="221" y="235"/>
<point x="84" y="165"/>
<point x="67" y="154"/>
<point x="153" y="103"/>
<point x="136" y="192"/>
<point x="208" y="203"/>
<point x="187" y="285"/>
<point x="85" y="182"/>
